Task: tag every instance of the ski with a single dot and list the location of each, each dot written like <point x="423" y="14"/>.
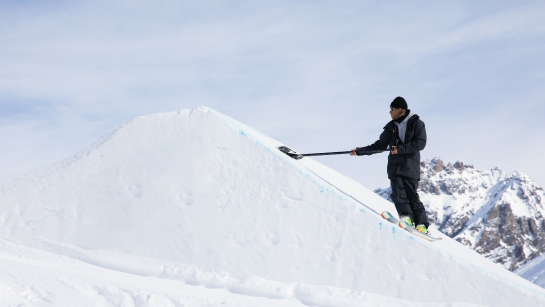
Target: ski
<point x="390" y="218"/>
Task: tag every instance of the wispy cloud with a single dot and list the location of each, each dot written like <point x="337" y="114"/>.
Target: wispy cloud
<point x="317" y="75"/>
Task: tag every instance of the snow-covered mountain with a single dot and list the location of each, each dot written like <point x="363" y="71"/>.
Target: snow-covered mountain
<point x="193" y="208"/>
<point x="499" y="215"/>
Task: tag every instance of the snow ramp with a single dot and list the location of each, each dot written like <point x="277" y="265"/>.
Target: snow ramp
<point x="199" y="197"/>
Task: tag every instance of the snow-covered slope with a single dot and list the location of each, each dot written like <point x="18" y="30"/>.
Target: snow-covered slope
<point x="194" y="198"/>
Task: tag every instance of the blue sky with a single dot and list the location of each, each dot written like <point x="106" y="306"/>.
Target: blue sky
<point x="316" y="75"/>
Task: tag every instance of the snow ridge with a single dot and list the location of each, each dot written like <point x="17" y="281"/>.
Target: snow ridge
<point x="194" y="198"/>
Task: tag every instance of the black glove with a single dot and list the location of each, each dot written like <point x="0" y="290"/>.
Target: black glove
<point x="361" y="151"/>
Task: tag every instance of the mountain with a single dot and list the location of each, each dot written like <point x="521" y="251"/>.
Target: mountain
<point x="195" y="208"/>
<point x="497" y="214"/>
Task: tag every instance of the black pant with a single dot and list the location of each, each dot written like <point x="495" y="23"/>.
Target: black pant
<point x="406" y="199"/>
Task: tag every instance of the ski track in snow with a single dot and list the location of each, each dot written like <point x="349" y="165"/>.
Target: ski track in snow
<point x="338" y="250"/>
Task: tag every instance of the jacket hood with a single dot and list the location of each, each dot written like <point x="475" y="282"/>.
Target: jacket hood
<point x="411" y="118"/>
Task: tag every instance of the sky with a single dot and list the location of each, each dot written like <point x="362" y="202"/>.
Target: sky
<point x="315" y="75"/>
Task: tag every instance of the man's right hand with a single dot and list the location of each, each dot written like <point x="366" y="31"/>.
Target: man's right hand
<point x="353" y="153"/>
<point x="393" y="150"/>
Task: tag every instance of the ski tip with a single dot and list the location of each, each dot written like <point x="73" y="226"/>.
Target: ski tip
<point x="385" y="214"/>
<point x="403" y="224"/>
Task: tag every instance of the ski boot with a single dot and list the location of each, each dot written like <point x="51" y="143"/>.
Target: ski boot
<point x="407" y="219"/>
<point x="422" y="228"/>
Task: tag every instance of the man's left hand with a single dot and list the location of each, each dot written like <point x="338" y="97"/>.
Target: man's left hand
<point x="394" y="150"/>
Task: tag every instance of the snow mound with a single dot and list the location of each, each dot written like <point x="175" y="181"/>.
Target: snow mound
<point x="199" y="197"/>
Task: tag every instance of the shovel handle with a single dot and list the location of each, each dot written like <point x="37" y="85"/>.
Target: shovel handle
<point x="298" y="156"/>
<point x="326" y="153"/>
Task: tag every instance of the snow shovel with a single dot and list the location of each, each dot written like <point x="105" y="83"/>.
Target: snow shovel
<point x="297" y="156"/>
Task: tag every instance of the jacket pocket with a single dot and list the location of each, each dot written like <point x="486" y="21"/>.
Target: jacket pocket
<point x="396" y="159"/>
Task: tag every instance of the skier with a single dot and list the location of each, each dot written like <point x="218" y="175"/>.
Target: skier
<point x="406" y="136"/>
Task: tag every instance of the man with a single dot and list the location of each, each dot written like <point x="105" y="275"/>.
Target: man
<point x="406" y="136"/>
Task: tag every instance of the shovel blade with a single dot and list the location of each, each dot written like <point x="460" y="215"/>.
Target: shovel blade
<point x="290" y="152"/>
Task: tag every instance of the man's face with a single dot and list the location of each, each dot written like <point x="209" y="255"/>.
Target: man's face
<point x="396" y="113"/>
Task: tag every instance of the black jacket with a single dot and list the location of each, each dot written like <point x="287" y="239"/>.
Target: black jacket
<point x="407" y="160"/>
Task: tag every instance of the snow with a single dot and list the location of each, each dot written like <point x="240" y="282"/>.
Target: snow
<point x="534" y="271"/>
<point x="193" y="208"/>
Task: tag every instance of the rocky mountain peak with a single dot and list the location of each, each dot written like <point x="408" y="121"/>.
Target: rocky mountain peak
<point x="499" y="215"/>
<point x="435" y="165"/>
